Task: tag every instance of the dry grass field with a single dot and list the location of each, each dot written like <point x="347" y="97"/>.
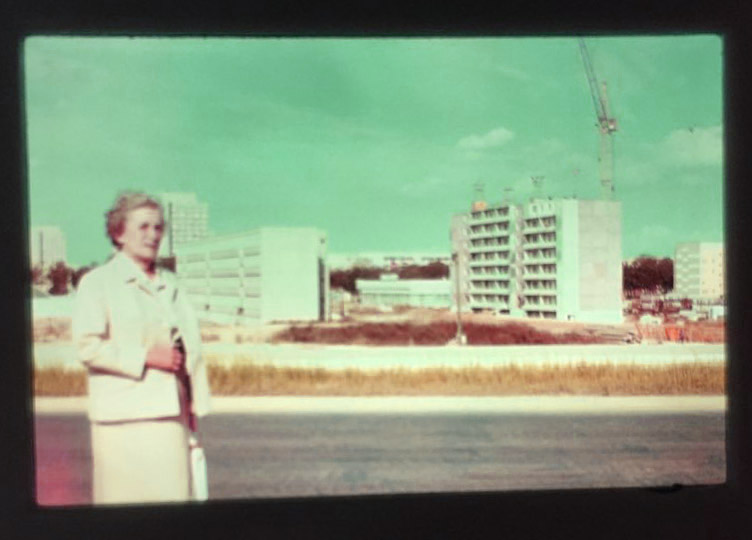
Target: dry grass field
<point x="580" y="379"/>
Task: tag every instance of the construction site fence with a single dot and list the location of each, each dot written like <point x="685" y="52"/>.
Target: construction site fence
<point x="686" y="333"/>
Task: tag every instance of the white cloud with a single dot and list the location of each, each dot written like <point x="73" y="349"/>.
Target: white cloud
<point x="493" y="139"/>
<point x="695" y="146"/>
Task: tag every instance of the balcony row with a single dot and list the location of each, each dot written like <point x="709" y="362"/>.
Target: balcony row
<point x="487" y="285"/>
<point x="490" y="214"/>
<point x="481" y="258"/>
<point x="480" y="300"/>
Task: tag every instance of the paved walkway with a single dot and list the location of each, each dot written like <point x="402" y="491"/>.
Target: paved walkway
<point x="434" y="404"/>
<point x="416" y="357"/>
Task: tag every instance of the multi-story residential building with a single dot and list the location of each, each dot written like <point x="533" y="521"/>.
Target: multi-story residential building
<point x="551" y="258"/>
<point x="187" y="220"/>
<point x="699" y="270"/>
<point x="485" y="245"/>
<point x="46" y="246"/>
<point x="258" y="276"/>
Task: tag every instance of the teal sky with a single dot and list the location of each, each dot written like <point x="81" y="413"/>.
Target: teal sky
<point x="376" y="141"/>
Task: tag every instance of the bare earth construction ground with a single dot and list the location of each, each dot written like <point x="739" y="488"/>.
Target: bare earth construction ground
<point x="411" y="352"/>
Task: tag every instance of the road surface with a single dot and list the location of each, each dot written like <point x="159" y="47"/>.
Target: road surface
<point x="275" y="454"/>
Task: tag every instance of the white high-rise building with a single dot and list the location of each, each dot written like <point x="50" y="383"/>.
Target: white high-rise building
<point x="187" y="219"/>
<point x="699" y="270"/>
<point x="46" y="246"/>
<point x="551" y="258"/>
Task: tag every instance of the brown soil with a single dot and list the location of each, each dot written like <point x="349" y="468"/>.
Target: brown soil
<point x="434" y="333"/>
<point x="50" y="329"/>
<point x="427" y="326"/>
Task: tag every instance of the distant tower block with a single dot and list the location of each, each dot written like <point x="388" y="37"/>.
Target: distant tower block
<point x="479" y="200"/>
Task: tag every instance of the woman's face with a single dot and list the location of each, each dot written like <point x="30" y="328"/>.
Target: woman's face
<point x="142" y="234"/>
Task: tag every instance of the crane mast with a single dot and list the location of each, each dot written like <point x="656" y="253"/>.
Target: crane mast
<point x="606" y="124"/>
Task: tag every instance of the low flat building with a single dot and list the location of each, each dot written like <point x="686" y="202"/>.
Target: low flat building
<point x="390" y="291"/>
<point x="387" y="260"/>
<point x="262" y="275"/>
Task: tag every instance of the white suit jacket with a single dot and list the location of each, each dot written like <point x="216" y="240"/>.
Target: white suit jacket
<point x="119" y="314"/>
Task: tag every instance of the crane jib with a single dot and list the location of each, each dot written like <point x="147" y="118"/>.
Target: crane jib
<point x="606" y="124"/>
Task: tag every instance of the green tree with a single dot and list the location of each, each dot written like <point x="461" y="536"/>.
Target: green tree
<point x="59" y="275"/>
<point x="434" y="270"/>
<point x="666" y="274"/>
<point x="648" y="274"/>
<point x="167" y="263"/>
<point x="37" y="275"/>
<point x="345" y="279"/>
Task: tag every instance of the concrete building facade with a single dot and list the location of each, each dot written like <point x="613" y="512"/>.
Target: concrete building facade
<point x="187" y="219"/>
<point x="258" y="276"/>
<point x="550" y="258"/>
<point x="699" y="270"/>
<point x="46" y="246"/>
<point x="390" y="291"/>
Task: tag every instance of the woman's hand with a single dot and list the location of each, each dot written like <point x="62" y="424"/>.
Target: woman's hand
<point x="164" y="357"/>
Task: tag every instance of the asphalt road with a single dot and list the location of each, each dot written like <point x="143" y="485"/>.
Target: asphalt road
<point x="280" y="455"/>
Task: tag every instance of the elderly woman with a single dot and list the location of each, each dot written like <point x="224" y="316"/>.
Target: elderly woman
<point x="139" y="340"/>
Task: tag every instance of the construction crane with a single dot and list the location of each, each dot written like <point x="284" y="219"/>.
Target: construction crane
<point x="606" y="125"/>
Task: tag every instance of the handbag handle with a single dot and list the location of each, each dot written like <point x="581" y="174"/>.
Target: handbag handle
<point x="185" y="379"/>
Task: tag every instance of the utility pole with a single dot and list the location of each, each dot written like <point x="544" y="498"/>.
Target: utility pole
<point x="169" y="227"/>
<point x="460" y="338"/>
<point x="41" y="251"/>
<point x="537" y="185"/>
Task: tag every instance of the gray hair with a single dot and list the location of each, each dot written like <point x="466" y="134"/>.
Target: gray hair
<point x="126" y="202"/>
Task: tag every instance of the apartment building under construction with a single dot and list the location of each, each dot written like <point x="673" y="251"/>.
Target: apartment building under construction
<point x="549" y="258"/>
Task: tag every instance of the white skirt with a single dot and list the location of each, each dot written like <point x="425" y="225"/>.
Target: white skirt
<point x="140" y="461"/>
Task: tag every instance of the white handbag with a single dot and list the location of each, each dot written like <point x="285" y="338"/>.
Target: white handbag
<point x="199" y="481"/>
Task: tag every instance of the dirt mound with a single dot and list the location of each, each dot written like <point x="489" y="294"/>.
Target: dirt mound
<point x="48" y="329"/>
<point x="437" y="333"/>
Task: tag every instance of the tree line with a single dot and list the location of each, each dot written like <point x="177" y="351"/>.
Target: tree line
<point x="59" y="277"/>
<point x="345" y="279"/>
<point x="648" y="275"/>
<point x="643" y="275"/>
